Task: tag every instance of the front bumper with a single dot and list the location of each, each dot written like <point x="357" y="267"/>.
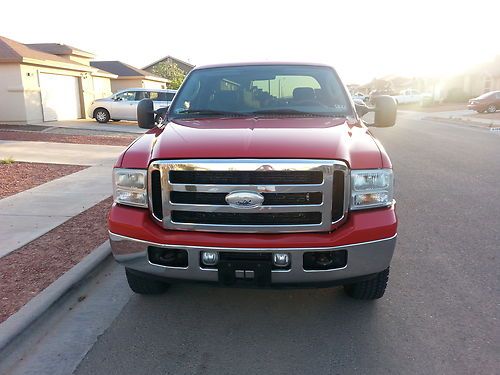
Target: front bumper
<point x="476" y="107"/>
<point x="362" y="259"/>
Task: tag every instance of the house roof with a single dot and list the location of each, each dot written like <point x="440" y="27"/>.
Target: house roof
<point x="123" y="70"/>
<point x="12" y="51"/>
<point x="59" y="49"/>
<point x="171" y="58"/>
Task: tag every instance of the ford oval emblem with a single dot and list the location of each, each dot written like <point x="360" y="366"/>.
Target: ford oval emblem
<point x="244" y="199"/>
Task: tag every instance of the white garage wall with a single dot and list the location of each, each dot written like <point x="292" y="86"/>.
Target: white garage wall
<point x="147" y="84"/>
<point x="102" y="87"/>
<point x="12" y="109"/>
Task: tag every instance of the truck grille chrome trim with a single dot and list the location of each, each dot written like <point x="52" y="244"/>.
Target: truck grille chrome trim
<point x="299" y="199"/>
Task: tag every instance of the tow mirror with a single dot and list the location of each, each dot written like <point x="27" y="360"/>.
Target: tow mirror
<point x="385" y="110"/>
<point x="146" y="114"/>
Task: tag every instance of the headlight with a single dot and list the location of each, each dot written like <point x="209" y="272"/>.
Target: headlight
<point x="371" y="188"/>
<point x="130" y="187"/>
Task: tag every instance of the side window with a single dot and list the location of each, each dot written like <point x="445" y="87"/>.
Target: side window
<point x="143" y="95"/>
<point x="153" y="95"/>
<point x="126" y="96"/>
<point x="165" y="96"/>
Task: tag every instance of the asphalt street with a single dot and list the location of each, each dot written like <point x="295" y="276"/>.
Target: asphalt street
<point x="439" y="314"/>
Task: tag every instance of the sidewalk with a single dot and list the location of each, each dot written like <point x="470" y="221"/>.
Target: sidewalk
<point x="463" y="116"/>
<point x="31" y="213"/>
<point x="120" y="127"/>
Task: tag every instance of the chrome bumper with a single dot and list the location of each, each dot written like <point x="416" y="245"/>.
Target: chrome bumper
<point x="362" y="259"/>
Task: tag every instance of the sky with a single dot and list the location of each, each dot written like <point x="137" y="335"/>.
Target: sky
<point x="361" y="39"/>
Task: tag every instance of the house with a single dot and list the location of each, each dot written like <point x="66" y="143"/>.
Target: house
<point x="128" y="76"/>
<point x="184" y="66"/>
<point x="482" y="78"/>
<point x="47" y="82"/>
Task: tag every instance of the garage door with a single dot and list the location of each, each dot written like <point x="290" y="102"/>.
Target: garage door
<point x="60" y="97"/>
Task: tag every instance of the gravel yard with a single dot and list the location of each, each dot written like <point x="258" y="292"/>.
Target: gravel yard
<point x="17" y="176"/>
<point x="109" y="140"/>
<point x="31" y="268"/>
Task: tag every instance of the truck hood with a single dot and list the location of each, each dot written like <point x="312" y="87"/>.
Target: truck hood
<point x="304" y="138"/>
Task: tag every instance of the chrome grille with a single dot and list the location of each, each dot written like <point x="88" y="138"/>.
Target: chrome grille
<point x="298" y="194"/>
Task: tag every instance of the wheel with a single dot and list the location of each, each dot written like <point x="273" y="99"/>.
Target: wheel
<point x="491" y="108"/>
<point x="101" y="115"/>
<point x="373" y="288"/>
<point x="143" y="284"/>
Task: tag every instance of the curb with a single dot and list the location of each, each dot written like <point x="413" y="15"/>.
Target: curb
<point x="482" y="123"/>
<point x="37" y="306"/>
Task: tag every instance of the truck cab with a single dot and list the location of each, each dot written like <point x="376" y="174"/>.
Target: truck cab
<point x="261" y="175"/>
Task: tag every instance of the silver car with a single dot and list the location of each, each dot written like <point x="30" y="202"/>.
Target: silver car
<point x="123" y="104"/>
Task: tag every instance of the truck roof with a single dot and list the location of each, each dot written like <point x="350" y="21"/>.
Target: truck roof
<point x="262" y="63"/>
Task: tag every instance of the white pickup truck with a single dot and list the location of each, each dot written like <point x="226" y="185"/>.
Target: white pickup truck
<point x="411" y="96"/>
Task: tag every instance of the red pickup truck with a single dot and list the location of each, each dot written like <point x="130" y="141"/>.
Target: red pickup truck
<point x="262" y="175"/>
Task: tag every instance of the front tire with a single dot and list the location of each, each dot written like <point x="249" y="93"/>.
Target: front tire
<point x="370" y="289"/>
<point x="492" y="108"/>
<point x="144" y="285"/>
<point x="102" y="115"/>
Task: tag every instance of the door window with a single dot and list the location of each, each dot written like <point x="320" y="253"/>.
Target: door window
<point x="165" y="96"/>
<point x="143" y="95"/>
<point x="126" y="96"/>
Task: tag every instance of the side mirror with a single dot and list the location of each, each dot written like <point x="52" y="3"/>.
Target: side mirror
<point x="146" y="114"/>
<point x="386" y="109"/>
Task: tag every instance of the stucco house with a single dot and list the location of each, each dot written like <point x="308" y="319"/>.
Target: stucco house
<point x="478" y="80"/>
<point x="184" y="66"/>
<point x="47" y="82"/>
<point x="128" y="76"/>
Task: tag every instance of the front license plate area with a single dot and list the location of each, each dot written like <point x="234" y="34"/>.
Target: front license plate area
<point x="245" y="272"/>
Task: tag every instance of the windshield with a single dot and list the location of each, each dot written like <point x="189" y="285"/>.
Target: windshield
<point x="486" y="95"/>
<point x="261" y="90"/>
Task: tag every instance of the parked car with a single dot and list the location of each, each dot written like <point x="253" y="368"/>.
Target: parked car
<point x="242" y="188"/>
<point x="123" y="104"/>
<point x="489" y="102"/>
<point x="360" y="96"/>
<point x="411" y="96"/>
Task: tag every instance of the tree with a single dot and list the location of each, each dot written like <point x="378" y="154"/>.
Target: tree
<point x="170" y="71"/>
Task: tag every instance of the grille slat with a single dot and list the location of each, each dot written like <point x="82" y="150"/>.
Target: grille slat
<point x="270" y="199"/>
<point x="246" y="177"/>
<point x="225" y="218"/>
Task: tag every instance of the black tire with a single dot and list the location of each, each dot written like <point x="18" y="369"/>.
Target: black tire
<point x="143" y="284"/>
<point x="492" y="108"/>
<point x="373" y="288"/>
<point x="102" y="115"/>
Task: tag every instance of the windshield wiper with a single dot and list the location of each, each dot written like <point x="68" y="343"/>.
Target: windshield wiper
<point x="210" y="112"/>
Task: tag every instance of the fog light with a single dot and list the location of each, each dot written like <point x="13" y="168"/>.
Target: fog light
<point x="209" y="258"/>
<point x="281" y="259"/>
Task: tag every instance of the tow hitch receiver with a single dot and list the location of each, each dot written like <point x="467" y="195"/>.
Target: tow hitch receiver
<point x="245" y="272"/>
